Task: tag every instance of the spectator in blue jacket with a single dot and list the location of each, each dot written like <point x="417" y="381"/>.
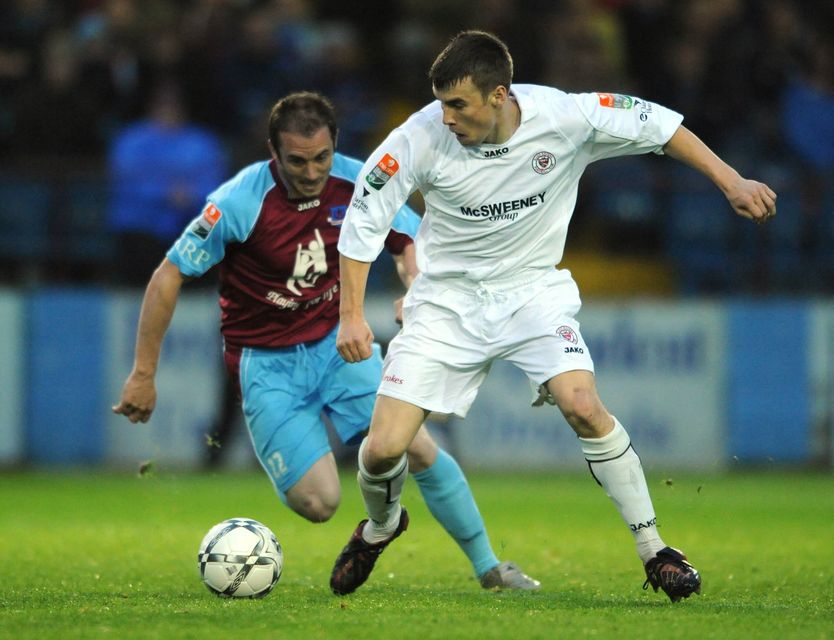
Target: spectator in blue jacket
<point x="160" y="169"/>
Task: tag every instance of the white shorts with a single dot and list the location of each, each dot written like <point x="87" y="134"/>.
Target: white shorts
<point x="454" y="330"/>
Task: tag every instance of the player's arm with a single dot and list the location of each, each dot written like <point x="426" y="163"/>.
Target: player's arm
<point x="750" y="199"/>
<point x="355" y="336"/>
<point x="374" y="219"/>
<point x="139" y="392"/>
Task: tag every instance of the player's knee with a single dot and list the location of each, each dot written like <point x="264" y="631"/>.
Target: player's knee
<point x="380" y="453"/>
<point x="380" y="456"/>
<point x="585" y="413"/>
<point x="317" y="511"/>
<point x="315" y="507"/>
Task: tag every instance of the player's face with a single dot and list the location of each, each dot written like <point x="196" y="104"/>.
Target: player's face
<point x="468" y="115"/>
<point x="304" y="163"/>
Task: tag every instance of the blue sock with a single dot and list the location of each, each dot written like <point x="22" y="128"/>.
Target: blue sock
<point x="450" y="501"/>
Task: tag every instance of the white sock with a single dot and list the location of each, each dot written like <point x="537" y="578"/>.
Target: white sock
<point x="381" y="494"/>
<point x="616" y="467"/>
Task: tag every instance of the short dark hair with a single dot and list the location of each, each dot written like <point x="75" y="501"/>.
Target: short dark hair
<point x="478" y="55"/>
<point x="304" y="112"/>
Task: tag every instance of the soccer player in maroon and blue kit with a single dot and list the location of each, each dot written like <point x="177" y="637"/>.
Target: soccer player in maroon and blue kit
<point x="273" y="231"/>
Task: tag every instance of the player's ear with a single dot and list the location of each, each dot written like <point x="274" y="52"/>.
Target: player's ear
<point x="498" y="96"/>
<point x="336" y="139"/>
<point x="272" y="150"/>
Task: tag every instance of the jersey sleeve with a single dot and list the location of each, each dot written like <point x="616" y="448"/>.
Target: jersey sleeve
<point x="625" y="125"/>
<point x="382" y="187"/>
<point x="406" y="222"/>
<point x="203" y="243"/>
<point x="228" y="216"/>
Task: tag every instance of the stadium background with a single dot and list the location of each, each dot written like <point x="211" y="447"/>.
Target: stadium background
<point x="714" y="338"/>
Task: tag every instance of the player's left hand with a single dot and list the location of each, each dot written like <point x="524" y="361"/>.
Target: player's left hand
<point x="753" y="200"/>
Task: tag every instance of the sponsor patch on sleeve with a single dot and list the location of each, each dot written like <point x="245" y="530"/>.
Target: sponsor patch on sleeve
<point x="202" y="226"/>
<point x="615" y="100"/>
<point x="382" y="172"/>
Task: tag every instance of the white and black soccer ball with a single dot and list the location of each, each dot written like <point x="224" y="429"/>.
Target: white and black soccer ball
<point x="240" y="558"/>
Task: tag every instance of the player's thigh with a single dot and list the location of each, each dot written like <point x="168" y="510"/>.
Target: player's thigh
<point x="284" y="422"/>
<point x="435" y="363"/>
<point x="544" y="340"/>
<point x="393" y="428"/>
<point x="349" y="394"/>
<point x="290" y="446"/>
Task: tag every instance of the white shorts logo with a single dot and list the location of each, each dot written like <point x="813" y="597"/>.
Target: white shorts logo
<point x="566" y="333"/>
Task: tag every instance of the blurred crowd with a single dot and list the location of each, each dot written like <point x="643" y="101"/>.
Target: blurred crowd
<point x="83" y="82"/>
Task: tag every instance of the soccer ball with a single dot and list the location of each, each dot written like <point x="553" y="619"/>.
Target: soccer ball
<point x="240" y="558"/>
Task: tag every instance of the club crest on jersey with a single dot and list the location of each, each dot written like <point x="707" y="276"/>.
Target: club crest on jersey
<point x="337" y="215"/>
<point x="382" y="172"/>
<point x="615" y="100"/>
<point x="567" y="333"/>
<point x="544" y="162"/>
<point x="205" y="222"/>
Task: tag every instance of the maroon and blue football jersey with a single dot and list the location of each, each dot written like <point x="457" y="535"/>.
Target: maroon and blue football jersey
<point x="278" y="261"/>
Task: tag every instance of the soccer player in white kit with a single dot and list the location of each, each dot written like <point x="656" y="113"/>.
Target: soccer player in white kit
<point x="498" y="168"/>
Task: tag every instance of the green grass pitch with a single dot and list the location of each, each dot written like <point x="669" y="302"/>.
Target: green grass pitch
<point x="97" y="555"/>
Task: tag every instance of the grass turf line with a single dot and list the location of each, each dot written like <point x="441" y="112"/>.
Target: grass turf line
<point x="110" y="555"/>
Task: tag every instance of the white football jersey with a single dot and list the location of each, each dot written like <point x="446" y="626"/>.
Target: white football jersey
<point x="497" y="211"/>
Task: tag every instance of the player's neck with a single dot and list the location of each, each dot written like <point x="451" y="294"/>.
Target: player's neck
<point x="508" y="122"/>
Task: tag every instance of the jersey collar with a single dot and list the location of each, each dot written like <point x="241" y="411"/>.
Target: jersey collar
<point x="528" y="110"/>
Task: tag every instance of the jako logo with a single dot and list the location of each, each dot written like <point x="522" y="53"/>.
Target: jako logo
<point x="394" y="379"/>
<point x="494" y="153"/>
<point x="643" y="525"/>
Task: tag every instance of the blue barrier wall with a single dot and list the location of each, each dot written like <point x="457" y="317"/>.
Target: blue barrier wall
<point x="65" y="391"/>
<point x="758" y="391"/>
<point x="768" y="386"/>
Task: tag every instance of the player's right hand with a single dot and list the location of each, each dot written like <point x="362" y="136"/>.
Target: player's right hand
<point x="138" y="398"/>
<point x="354" y="340"/>
<point x="752" y="200"/>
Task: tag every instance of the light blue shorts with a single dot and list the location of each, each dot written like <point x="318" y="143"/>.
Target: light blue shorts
<point x="286" y="393"/>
